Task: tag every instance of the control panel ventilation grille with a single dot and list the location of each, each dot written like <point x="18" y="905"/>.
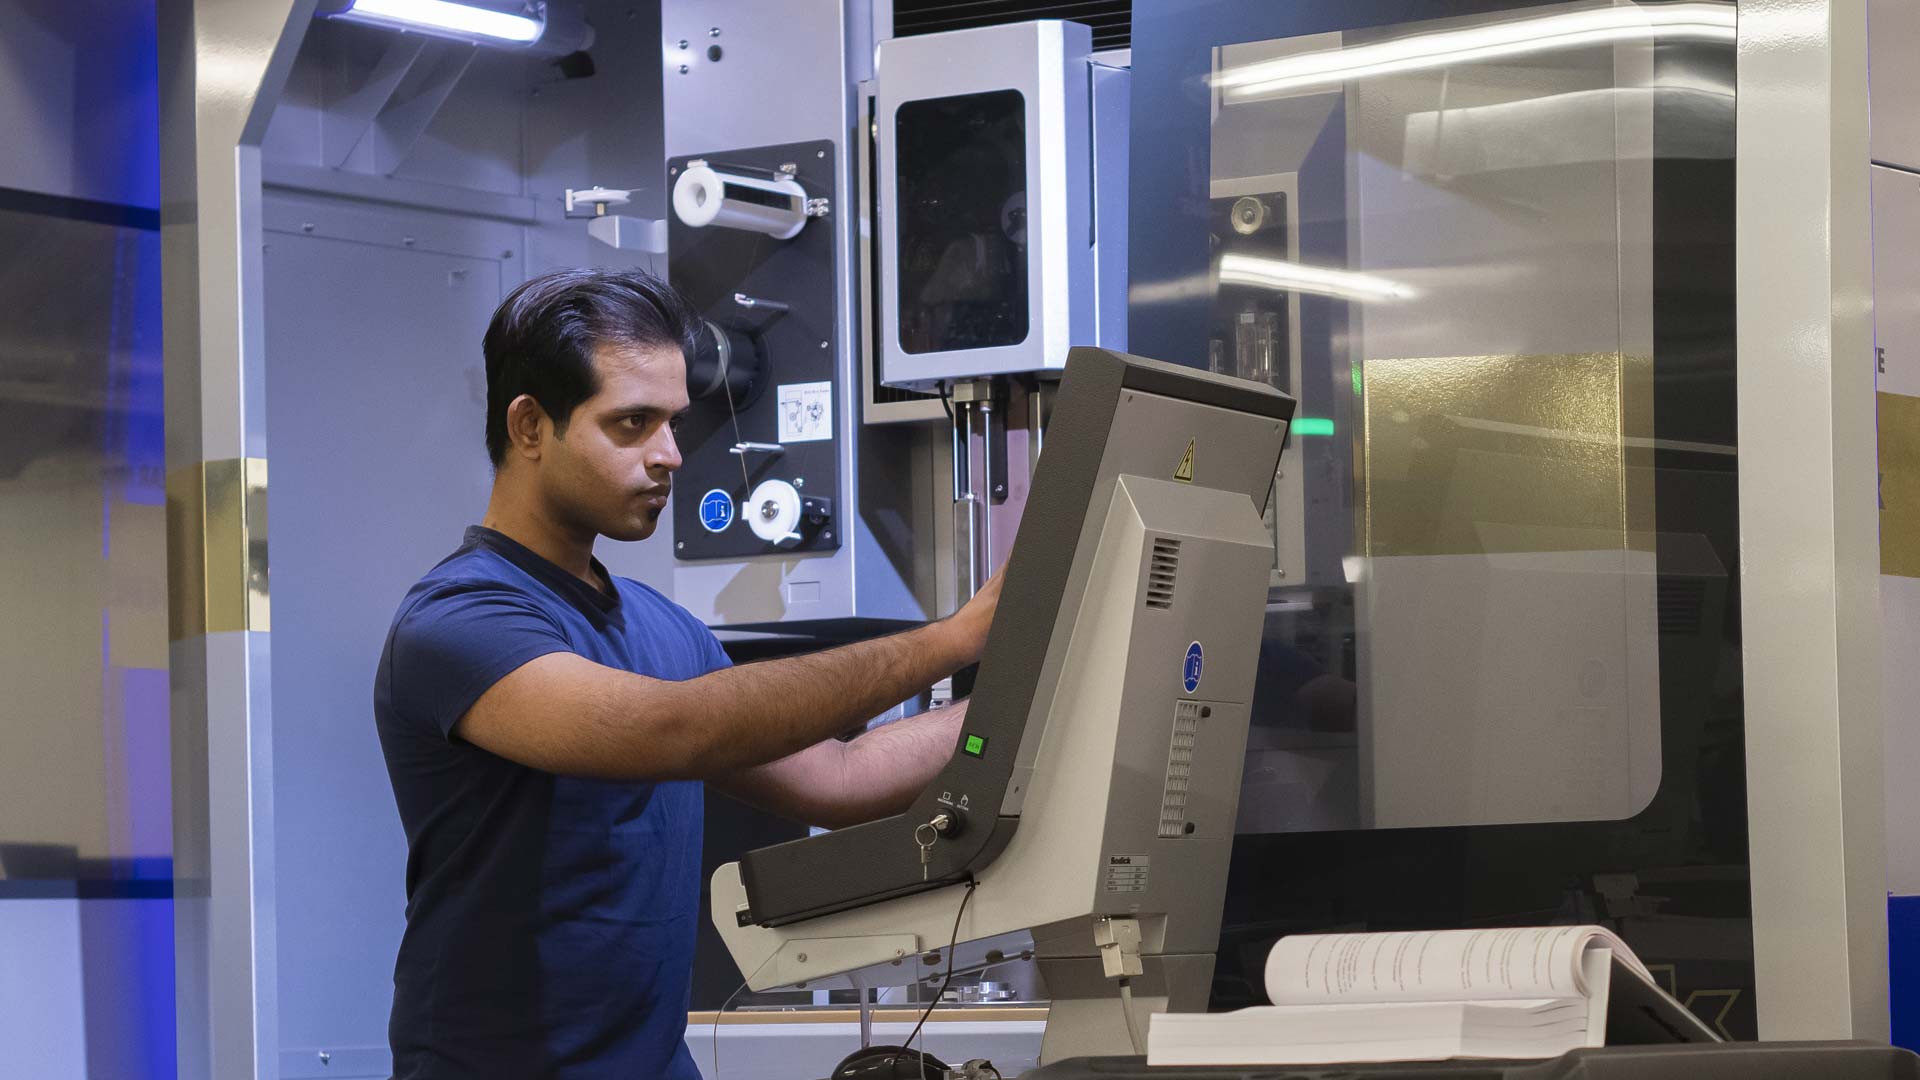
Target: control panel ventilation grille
<point x="1173" y="799"/>
<point x="1161" y="569"/>
<point x="1111" y="20"/>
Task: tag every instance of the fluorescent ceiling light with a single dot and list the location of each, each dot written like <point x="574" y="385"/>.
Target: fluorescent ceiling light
<point x="1495" y="41"/>
<point x="1319" y="280"/>
<point x="445" y="17"/>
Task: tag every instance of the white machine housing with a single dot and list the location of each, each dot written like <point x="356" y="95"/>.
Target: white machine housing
<point x="1133" y="790"/>
<point x="1074" y="240"/>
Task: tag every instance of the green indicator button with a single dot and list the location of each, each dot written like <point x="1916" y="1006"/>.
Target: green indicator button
<point x="1309" y="425"/>
<point x="974" y="746"/>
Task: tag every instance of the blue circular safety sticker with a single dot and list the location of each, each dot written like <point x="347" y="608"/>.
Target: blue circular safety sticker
<point x="716" y="510"/>
<point x="1190" y="671"/>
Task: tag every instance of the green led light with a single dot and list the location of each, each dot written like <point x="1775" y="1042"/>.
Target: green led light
<point x="1308" y="425"/>
<point x="976" y="745"/>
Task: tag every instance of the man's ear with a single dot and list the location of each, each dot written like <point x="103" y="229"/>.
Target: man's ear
<point x="527" y="427"/>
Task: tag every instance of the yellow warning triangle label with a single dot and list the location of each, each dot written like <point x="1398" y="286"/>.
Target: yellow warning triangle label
<point x="1184" y="473"/>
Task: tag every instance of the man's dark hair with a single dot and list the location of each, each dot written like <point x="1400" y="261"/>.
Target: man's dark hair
<point x="543" y="335"/>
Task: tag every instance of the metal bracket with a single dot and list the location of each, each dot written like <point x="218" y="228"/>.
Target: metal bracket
<point x="346" y="122"/>
<point x="412" y="80"/>
<point x="765" y="311"/>
<point x="1119" y="943"/>
<point x="624" y="233"/>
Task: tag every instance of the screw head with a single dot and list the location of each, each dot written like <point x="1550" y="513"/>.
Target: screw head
<point x="713" y="31"/>
<point x="820" y="153"/>
<point x="683" y="69"/>
<point x="768" y="510"/>
<point x="826" y="535"/>
<point x="683" y="43"/>
<point x="680" y="545"/>
<point x="306" y="226"/>
<point x="826" y="344"/>
<point x="802" y="958"/>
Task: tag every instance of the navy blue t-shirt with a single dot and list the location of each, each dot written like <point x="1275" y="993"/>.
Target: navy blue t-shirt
<point x="550" y="919"/>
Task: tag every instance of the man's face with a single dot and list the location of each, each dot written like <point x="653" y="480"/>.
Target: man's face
<point x="612" y="469"/>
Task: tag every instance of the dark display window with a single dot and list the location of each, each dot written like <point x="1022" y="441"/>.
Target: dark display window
<point x="961" y="167"/>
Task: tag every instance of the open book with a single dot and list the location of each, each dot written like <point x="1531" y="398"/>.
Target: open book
<point x="1531" y="992"/>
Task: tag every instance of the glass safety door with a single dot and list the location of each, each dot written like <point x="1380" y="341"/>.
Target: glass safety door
<point x="1489" y="247"/>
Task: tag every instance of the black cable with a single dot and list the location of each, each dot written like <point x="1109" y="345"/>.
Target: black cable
<point x="952" y="944"/>
<point x="945" y="400"/>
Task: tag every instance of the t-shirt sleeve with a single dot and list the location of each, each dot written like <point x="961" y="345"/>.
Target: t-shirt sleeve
<point x="717" y="657"/>
<point x="452" y="646"/>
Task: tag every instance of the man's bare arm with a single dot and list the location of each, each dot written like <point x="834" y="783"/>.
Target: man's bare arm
<point x="563" y="713"/>
<point x="835" y="784"/>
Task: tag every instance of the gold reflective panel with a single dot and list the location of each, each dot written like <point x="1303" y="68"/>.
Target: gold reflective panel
<point x="1899" y="485"/>
<point x="1468" y="455"/>
<point x="217" y="548"/>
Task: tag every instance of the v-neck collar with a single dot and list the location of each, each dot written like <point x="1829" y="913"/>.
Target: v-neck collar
<point x="598" y="603"/>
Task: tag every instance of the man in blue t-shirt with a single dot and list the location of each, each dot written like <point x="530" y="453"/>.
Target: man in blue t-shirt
<point x="547" y="726"/>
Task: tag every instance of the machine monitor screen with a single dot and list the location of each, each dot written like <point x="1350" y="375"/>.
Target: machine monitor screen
<point x="963" y="221"/>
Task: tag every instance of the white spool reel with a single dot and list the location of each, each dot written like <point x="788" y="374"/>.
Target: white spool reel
<point x="704" y="196"/>
<point x="773" y="513"/>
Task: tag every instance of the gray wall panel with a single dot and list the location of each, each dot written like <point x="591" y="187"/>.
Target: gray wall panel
<point x="77" y="100"/>
<point x="375" y="398"/>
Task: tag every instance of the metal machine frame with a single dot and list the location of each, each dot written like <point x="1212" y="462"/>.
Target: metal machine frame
<point x="1810" y="574"/>
<point x="1074" y="118"/>
<point x="730" y="82"/>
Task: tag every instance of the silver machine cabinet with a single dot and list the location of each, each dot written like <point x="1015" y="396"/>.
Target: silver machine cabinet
<point x="1002" y="239"/>
<point x="790" y="514"/>
<point x="1096" y="780"/>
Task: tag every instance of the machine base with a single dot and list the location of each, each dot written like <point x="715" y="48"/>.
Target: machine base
<point x="1695" y="1061"/>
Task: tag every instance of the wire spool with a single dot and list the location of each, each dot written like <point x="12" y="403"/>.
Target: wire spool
<point x="704" y="197"/>
<point x="726" y="361"/>
<point x="773" y="513"/>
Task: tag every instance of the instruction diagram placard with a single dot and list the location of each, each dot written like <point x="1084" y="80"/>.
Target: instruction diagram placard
<point x="806" y="411"/>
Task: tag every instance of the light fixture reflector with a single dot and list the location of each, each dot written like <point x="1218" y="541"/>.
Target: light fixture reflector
<point x="444" y="17"/>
